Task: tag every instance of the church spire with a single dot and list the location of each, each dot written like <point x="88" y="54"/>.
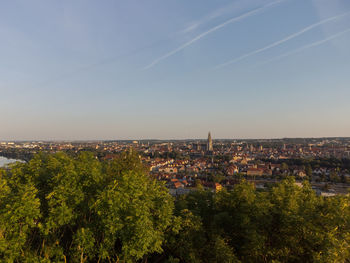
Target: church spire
<point x="209" y="143"/>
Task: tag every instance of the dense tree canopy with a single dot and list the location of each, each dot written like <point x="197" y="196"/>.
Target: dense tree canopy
<point x="289" y="223"/>
<point x="58" y="208"/>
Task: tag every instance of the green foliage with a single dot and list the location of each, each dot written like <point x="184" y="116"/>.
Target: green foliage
<point x="134" y="213"/>
<point x="288" y="223"/>
<point x="334" y="177"/>
<point x="186" y="242"/>
<point x="284" y="167"/>
<point x="308" y="170"/>
<point x="57" y="208"/>
<point x="19" y="215"/>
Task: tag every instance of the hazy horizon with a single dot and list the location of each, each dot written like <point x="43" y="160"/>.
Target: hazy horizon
<point x="131" y="70"/>
<point x="170" y="139"/>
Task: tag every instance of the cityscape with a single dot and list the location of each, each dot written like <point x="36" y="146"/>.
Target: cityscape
<point x="219" y="163"/>
<point x="178" y="131"/>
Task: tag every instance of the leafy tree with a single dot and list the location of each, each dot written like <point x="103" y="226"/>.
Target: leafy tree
<point x="308" y="170"/>
<point x="187" y="241"/>
<point x="19" y="216"/>
<point x="198" y="184"/>
<point x="287" y="223"/>
<point x="284" y="167"/>
<point x="239" y="220"/>
<point x="134" y="213"/>
<point x="57" y="208"/>
<point x="334" y="177"/>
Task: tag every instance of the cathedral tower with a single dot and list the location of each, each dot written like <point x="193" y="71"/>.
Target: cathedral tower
<point x="209" y="143"/>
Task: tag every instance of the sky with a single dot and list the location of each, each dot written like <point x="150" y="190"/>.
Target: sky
<point x="174" y="69"/>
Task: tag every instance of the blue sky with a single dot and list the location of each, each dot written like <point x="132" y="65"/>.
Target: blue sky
<point x="174" y="69"/>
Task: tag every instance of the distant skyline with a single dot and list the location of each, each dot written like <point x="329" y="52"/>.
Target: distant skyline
<point x="88" y="70"/>
<point x="202" y="139"/>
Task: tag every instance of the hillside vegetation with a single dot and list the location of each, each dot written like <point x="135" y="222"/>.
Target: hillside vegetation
<point x="58" y="208"/>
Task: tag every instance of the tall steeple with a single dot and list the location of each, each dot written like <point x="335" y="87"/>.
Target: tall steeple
<point x="209" y="143"/>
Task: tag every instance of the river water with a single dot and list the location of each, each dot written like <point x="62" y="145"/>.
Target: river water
<point x="4" y="161"/>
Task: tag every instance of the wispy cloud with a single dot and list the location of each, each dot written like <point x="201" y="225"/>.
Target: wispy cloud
<point x="279" y="42"/>
<point x="230" y="21"/>
<point x="314" y="44"/>
<point x="194" y="25"/>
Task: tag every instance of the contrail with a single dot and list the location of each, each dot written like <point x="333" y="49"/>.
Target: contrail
<point x="105" y="61"/>
<point x="314" y="44"/>
<point x="232" y="20"/>
<point x="277" y="43"/>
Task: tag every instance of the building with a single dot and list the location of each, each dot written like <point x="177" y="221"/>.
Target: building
<point x="255" y="172"/>
<point x="231" y="170"/>
<point x="209" y="143"/>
